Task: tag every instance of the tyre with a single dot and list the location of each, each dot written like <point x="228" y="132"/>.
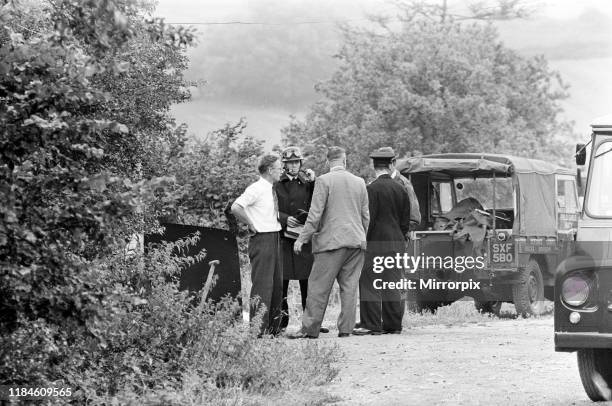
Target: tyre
<point x="431" y="306"/>
<point x="493" y="307"/>
<point x="414" y="306"/>
<point x="416" y="303"/>
<point x="528" y="291"/>
<point x="595" y="366"/>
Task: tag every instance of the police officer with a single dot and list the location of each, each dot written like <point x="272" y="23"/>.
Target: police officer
<point x="294" y="191"/>
<point x="381" y="309"/>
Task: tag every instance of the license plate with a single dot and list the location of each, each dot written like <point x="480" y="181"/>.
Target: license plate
<point x="502" y="252"/>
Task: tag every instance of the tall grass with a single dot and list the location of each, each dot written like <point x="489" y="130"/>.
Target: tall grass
<point x="154" y="344"/>
<point x="463" y="312"/>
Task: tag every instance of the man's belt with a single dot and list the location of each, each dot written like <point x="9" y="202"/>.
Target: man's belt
<point x="265" y="232"/>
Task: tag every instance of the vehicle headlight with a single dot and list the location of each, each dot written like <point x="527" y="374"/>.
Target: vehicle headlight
<point x="575" y="290"/>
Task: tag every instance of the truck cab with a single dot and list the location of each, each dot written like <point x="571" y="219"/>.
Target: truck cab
<point x="583" y="287"/>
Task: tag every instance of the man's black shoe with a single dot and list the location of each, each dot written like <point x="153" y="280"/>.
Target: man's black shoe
<point x="342" y="335"/>
<point x="361" y="331"/>
<point x="299" y="335"/>
<point x="392" y="332"/>
<point x="324" y="330"/>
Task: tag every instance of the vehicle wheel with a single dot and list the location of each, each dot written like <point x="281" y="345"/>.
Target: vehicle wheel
<point x="595" y="366"/>
<point x="528" y="292"/>
<point x="432" y="306"/>
<point x="488" y="307"/>
<point x="416" y="304"/>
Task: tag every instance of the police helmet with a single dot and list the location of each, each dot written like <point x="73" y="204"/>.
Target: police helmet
<point x="291" y="154"/>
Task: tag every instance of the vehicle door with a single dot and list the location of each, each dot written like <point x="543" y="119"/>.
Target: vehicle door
<point x="568" y="209"/>
<point x="436" y="240"/>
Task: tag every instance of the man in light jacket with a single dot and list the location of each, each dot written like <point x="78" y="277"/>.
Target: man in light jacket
<point x="336" y="225"/>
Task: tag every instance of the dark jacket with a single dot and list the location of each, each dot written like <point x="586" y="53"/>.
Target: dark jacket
<point x="294" y="196"/>
<point x="415" y="210"/>
<point x="389" y="215"/>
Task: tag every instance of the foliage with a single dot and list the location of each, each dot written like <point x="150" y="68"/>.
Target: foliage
<point x="210" y="174"/>
<point x="158" y="345"/>
<point x="213" y="172"/>
<point x="71" y="186"/>
<point x="90" y="156"/>
<point x="476" y="10"/>
<point x="463" y="312"/>
<point x="430" y="87"/>
<point x="169" y="342"/>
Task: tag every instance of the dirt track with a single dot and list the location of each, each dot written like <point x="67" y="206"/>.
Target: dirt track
<point x="502" y="362"/>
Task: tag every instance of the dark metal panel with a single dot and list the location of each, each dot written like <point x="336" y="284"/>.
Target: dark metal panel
<point x="220" y="245"/>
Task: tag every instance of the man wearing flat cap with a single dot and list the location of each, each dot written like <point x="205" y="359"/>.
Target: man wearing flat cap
<point x="382" y="309"/>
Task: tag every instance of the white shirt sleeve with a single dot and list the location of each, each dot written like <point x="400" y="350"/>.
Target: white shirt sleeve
<point x="248" y="197"/>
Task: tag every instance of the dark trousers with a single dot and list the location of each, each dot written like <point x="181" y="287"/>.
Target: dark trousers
<point x="267" y="280"/>
<point x="380" y="309"/>
<point x="303" y="292"/>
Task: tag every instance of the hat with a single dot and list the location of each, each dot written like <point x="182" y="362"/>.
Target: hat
<point x="383" y="153"/>
<point x="383" y="156"/>
<point x="291" y="154"/>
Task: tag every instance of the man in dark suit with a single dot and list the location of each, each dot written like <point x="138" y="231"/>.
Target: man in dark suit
<point x="382" y="309"/>
<point x="294" y="191"/>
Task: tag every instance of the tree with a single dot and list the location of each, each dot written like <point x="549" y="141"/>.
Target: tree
<point x="435" y="85"/>
<point x="212" y="173"/>
<point x="88" y="156"/>
<point x="85" y="89"/>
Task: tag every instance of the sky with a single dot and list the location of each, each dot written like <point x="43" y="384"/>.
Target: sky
<point x="267" y="84"/>
<point x="230" y="10"/>
<point x="176" y="10"/>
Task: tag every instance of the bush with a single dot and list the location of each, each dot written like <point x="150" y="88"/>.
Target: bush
<point x="153" y="342"/>
<point x="86" y="146"/>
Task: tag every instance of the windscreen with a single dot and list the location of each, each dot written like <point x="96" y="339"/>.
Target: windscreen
<point x="599" y="194"/>
<point x="481" y="189"/>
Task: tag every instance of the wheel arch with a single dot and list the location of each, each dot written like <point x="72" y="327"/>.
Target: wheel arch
<point x="546" y="264"/>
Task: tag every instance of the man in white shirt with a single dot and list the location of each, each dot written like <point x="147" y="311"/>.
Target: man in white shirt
<point x="258" y="208"/>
